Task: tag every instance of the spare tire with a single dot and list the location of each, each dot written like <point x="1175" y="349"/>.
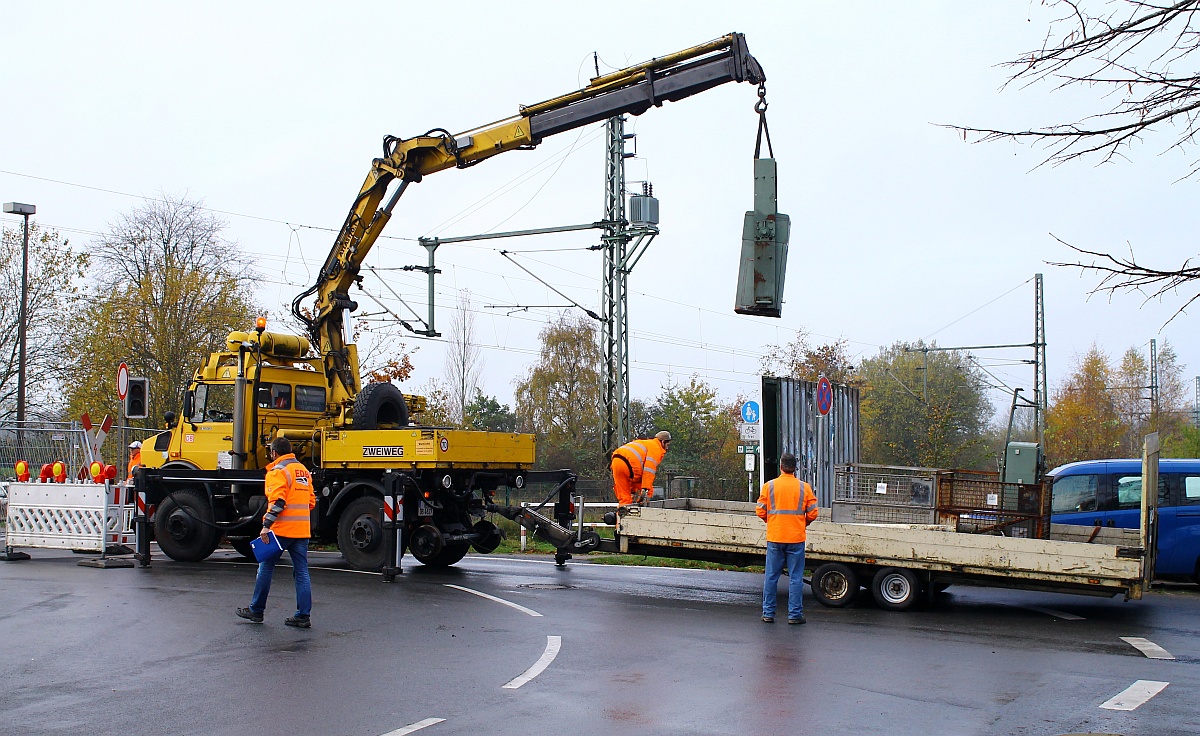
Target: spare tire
<point x="380" y="406"/>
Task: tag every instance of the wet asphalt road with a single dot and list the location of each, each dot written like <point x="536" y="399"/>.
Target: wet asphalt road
<point x="639" y="650"/>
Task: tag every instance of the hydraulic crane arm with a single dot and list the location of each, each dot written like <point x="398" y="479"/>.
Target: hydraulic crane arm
<point x="631" y="91"/>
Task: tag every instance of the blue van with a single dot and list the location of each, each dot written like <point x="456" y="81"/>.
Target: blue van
<point x="1109" y="493"/>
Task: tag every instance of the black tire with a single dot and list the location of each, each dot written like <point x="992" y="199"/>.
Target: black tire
<point x="491" y="534"/>
<point x="243" y="548"/>
<point x="360" y="534"/>
<point x="380" y="406"/>
<point x="184" y="526"/>
<point x="449" y="555"/>
<point x="834" y="585"/>
<point x="896" y="588"/>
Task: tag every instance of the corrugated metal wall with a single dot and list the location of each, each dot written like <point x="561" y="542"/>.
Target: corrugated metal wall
<point x="791" y="423"/>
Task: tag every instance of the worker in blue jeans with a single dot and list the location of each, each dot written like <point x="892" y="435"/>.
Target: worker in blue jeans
<point x="290" y="500"/>
<point x="788" y="505"/>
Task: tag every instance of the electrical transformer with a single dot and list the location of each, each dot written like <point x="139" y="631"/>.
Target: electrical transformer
<point x="763" y="263"/>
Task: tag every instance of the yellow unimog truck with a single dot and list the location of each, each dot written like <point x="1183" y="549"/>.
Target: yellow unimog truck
<point x="202" y="479"/>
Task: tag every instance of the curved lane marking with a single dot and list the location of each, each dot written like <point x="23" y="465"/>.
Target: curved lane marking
<point x="1147" y="647"/>
<point x="1134" y="695"/>
<point x="553" y="644"/>
<point x="413" y="727"/>
<point x="510" y="604"/>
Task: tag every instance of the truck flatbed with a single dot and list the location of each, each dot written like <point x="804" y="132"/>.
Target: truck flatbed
<point x="921" y="557"/>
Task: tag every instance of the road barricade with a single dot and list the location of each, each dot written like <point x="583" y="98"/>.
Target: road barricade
<point x="82" y="517"/>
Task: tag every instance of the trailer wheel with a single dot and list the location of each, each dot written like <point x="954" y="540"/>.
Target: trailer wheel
<point x="834" y="585"/>
<point x="895" y="588"/>
<point x="360" y="534"/>
<point x="184" y="526"/>
<point x="380" y="406"/>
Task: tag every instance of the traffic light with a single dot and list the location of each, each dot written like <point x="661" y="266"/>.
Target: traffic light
<point x="137" y="398"/>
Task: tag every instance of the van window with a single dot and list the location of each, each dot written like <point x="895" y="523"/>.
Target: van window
<point x="1075" y="493"/>
<point x="1129" y="491"/>
<point x="1191" y="489"/>
<point x="310" y="398"/>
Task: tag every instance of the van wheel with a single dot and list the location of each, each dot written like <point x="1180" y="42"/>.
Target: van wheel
<point x="1196" y="573"/>
<point x="380" y="406"/>
<point x="895" y="588"/>
<point x="834" y="585"/>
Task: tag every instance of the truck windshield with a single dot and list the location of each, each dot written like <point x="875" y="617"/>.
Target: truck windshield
<point x="214" y="403"/>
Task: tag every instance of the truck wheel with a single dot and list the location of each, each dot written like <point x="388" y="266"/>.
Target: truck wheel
<point x="491" y="536"/>
<point x="895" y="588"/>
<point x="834" y="585"/>
<point x="449" y="555"/>
<point x="360" y="534"/>
<point x="380" y="406"/>
<point x="184" y="526"/>
<point x="242" y="547"/>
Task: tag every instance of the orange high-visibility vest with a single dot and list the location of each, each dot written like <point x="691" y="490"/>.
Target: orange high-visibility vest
<point x="788" y="505"/>
<point x="290" y="490"/>
<point x="642" y="458"/>
<point x="135" y="462"/>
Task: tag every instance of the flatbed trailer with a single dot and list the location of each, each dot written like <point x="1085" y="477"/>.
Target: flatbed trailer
<point x="900" y="563"/>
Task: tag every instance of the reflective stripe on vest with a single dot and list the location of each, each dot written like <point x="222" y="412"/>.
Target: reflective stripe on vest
<point x="771" y="509"/>
<point x="294" y="507"/>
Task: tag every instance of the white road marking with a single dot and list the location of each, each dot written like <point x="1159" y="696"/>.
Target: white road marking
<point x="510" y="604"/>
<point x="1055" y="613"/>
<point x="553" y="644"/>
<point x="1147" y="647"/>
<point x="1134" y="695"/>
<point x="413" y="727"/>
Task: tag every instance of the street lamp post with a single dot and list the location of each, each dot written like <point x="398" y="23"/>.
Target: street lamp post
<point x="16" y="208"/>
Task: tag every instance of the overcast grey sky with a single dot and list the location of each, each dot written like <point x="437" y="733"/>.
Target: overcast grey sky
<point x="270" y="112"/>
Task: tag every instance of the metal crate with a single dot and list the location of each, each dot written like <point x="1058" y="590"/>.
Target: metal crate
<point x="983" y="504"/>
<point x="883" y="494"/>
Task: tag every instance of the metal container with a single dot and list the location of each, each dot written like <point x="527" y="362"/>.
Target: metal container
<point x="792" y="423"/>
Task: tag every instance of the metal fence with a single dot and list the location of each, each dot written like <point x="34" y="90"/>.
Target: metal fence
<point x="41" y="443"/>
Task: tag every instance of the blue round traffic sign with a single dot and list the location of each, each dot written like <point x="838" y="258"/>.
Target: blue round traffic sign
<point x="750" y="413"/>
<point x="824" y="396"/>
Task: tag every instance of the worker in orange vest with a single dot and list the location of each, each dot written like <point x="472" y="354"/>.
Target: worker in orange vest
<point x="135" y="457"/>
<point x="290" y="499"/>
<point x="788" y="505"/>
<point x="633" y="467"/>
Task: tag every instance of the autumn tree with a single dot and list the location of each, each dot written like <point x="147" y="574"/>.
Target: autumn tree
<point x="1083" y="421"/>
<point x="54" y="275"/>
<point x="559" y="397"/>
<point x="439" y="405"/>
<point x="1141" y="58"/>
<point x="703" y="437"/>
<point x="799" y="359"/>
<point x="921" y="408"/>
<point x="168" y="291"/>
<point x="486" y="413"/>
<point x="1130" y="395"/>
<point x="464" y="359"/>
